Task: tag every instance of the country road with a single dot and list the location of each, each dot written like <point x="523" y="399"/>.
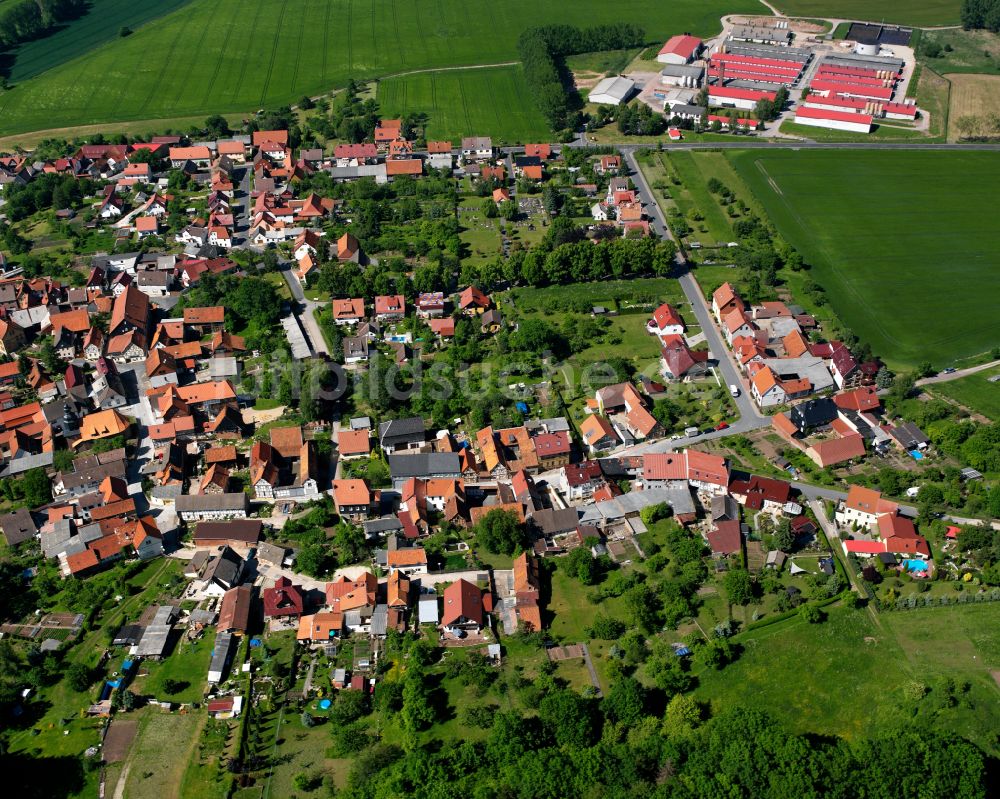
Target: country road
<point x="945" y="378"/>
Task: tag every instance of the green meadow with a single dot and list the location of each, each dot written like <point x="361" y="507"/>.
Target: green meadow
<point x="904" y="243"/>
<point x="494" y="101"/>
<point x="912" y="12"/>
<point x="227" y="56"/>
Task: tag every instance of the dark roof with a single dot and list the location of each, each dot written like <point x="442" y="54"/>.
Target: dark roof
<point x="426" y="464"/>
<point x="551" y="521"/>
<point x="209" y="502"/>
<point x="246" y="531"/>
<point x="396" y="430"/>
<point x="813" y="413"/>
<point x="18" y="526"/>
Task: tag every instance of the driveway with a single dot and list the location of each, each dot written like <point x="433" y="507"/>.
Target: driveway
<point x="304" y="309"/>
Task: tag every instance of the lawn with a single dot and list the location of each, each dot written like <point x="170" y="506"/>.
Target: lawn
<point x="976" y="96"/>
<point x="467" y="102"/>
<point x="230" y="56"/>
<point x="187" y="665"/>
<point x="890" y="235"/>
<point x="913" y="12"/>
<point x="975" y="392"/>
<point x="848" y="675"/>
<point x="603" y="61"/>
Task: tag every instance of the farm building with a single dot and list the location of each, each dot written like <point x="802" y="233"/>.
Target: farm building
<point x="687" y="75"/>
<point x="680" y="49"/>
<point x="835" y="120"/>
<point x="736" y="97"/>
<point x="612" y="91"/>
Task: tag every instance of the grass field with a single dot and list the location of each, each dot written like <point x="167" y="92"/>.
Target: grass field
<point x="847" y="675"/>
<point x="973" y="96"/>
<point x="160" y="754"/>
<point x="975" y="392"/>
<point x="891" y="236"/>
<point x="912" y="12"/>
<point x="468" y="102"/>
<point x="971" y="51"/>
<point x="231" y="56"/>
<point x="100" y="25"/>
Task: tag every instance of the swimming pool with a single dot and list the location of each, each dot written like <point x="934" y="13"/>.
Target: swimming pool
<point x="917" y="455"/>
<point x="914" y="565"/>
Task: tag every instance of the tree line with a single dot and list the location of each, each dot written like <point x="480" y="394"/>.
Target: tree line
<point x="543" y="51"/>
<point x="981" y="14"/>
<point x="31" y="19"/>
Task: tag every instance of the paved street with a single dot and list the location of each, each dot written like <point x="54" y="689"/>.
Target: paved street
<point x="945" y="378"/>
<point x="304" y="309"/>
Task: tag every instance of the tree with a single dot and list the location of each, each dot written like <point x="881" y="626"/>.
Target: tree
<point x="625" y="702"/>
<point x="784" y="538"/>
<point x="606" y="628"/>
<point x="569" y="717"/>
<point x="682" y="716"/>
<point x="349" y="707"/>
<point x="79" y="677"/>
<point x="417" y="713"/>
<point x="715" y="654"/>
<point x="36" y="487"/>
<point x="583" y="565"/>
<point x="738" y="587"/>
<point x="811" y="614"/>
<point x="500" y="533"/>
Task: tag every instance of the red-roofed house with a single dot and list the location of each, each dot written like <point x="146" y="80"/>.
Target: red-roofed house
<point x="707" y="472"/>
<point x="666" y="321"/>
<point x="463" y="606"/>
<point x="284" y="600"/>
<point x="677" y="360"/>
<point x="390" y="307"/>
<point x="725" y="539"/>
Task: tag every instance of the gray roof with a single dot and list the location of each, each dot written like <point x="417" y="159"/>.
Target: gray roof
<point x="679" y="499"/>
<point x="386" y="524"/>
<point x="380" y="620"/>
<point x="683" y="71"/>
<point x="411" y="429"/>
<point x="428" y="612"/>
<point x="552" y="521"/>
<point x="212" y="502"/>
<point x="427" y="464"/>
<point x="558" y="424"/>
<point x="18" y="526"/>
<point x="685" y="110"/>
<point x="26" y="463"/>
<point x="270" y="553"/>
<point x="220" y="653"/>
<point x="618" y="88"/>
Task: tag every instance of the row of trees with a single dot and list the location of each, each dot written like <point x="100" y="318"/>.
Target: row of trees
<point x="981" y="14"/>
<point x="543" y="50"/>
<point x="31" y="19"/>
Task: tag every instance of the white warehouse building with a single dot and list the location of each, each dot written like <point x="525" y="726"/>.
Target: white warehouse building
<point x="612" y="91"/>
<point x="834" y="120"/>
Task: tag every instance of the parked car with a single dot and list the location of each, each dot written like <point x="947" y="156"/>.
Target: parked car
<point x="722" y="426"/>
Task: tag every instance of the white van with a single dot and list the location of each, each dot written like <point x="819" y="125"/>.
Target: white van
<point x="691" y="431"/>
<point x="734" y="390"/>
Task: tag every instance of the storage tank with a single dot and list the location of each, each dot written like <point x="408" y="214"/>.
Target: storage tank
<point x="866" y="49"/>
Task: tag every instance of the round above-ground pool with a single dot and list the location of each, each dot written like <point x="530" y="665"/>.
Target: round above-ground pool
<point x="324" y="704"/>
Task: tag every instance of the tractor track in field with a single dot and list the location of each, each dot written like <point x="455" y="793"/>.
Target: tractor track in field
<point x="218" y="62"/>
<point x="246" y="61"/>
<point x="153" y="90"/>
<point x="274" y="52"/>
<point x="298" y="54"/>
<point x="183" y="84"/>
<point x="326" y="39"/>
<point x="395" y="27"/>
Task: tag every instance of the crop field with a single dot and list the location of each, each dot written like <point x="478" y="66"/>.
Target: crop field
<point x="904" y="243"/>
<point x="232" y="56"/>
<point x="99" y="25"/>
<point x="975" y="392"/>
<point x="912" y="12"/>
<point x="467" y="103"/>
